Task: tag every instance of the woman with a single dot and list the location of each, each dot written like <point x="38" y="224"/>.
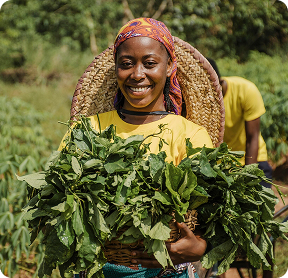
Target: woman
<point x="149" y="95"/>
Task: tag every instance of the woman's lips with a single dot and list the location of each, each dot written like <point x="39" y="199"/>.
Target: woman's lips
<point x="139" y="90"/>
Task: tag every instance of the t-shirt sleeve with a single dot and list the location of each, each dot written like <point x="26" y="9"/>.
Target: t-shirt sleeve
<point x="201" y="138"/>
<point x="93" y="123"/>
<point x="62" y="143"/>
<point x="253" y="105"/>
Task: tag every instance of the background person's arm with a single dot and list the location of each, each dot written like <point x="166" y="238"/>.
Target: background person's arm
<point x="252" y="129"/>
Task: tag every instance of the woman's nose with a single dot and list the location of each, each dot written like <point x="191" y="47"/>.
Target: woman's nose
<point x="138" y="72"/>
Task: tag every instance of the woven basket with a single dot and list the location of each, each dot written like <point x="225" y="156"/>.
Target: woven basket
<point x="198" y="81"/>
<point x="119" y="253"/>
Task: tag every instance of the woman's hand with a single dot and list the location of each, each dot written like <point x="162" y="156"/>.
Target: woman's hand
<point x="189" y="248"/>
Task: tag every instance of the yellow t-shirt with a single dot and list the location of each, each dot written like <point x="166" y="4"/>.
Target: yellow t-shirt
<point x="242" y="102"/>
<point x="178" y="130"/>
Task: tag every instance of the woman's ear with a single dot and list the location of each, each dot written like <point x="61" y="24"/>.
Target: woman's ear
<point x="169" y="67"/>
<point x="224" y="86"/>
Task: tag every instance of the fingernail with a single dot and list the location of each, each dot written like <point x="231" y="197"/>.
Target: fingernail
<point x="133" y="253"/>
<point x="134" y="261"/>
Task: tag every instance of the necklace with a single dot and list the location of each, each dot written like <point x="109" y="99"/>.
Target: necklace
<point x="138" y="113"/>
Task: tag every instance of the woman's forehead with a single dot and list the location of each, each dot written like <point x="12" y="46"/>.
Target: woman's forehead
<point x="142" y="45"/>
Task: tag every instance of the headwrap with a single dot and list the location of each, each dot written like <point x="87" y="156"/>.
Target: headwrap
<point x="149" y="27"/>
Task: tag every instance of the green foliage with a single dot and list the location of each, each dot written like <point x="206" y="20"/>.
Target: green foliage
<point x="271" y="79"/>
<point x="274" y="123"/>
<point x="218" y="28"/>
<point x="229" y="28"/>
<point x="99" y="183"/>
<point x="69" y="23"/>
<point x="22" y="150"/>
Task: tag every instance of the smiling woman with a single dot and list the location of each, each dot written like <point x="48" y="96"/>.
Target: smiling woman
<point x="148" y="94"/>
<point x="142" y="67"/>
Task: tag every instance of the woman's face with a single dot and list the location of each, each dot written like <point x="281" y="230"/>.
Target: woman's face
<point x="142" y="66"/>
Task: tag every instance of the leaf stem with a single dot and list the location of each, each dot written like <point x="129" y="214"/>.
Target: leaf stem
<point x="161" y="127"/>
<point x="86" y="128"/>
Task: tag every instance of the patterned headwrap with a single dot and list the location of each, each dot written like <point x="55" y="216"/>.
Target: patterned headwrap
<point x="149" y="27"/>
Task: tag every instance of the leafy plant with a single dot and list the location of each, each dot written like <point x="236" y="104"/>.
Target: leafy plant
<point x="99" y="183"/>
<point x="274" y="123"/>
<point x="22" y="150"/>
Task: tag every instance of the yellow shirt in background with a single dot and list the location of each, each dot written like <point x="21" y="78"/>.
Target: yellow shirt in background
<point x="178" y="130"/>
<point x="242" y="102"/>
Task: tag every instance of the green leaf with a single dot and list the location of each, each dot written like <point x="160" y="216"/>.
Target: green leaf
<point x="146" y="225"/>
<point x="162" y="197"/>
<point x="189" y="148"/>
<point x="96" y="218"/>
<point x="134" y="139"/>
<point x="55" y="252"/>
<point x="91" y="163"/>
<point x="90" y="247"/>
<point x="205" y="167"/>
<point x="130" y="177"/>
<point x="198" y="197"/>
<point x="228" y="260"/>
<point x="65" y="233"/>
<point x="136" y="220"/>
<point x="131" y="235"/>
<point x="114" y="164"/>
<point x="77" y="221"/>
<point x="188" y="185"/>
<point x="173" y="176"/>
<point x="160" y="231"/>
<point x="121" y="194"/>
<point x="34" y="213"/>
<point x="76" y="166"/>
<point x="52" y="159"/>
<point x="265" y="244"/>
<point x="160" y="253"/>
<point x="36" y="180"/>
<point x="255" y="256"/>
<point x="227" y="179"/>
<point x="156" y="164"/>
<point x="267" y="214"/>
<point x="70" y="200"/>
<point x="111" y="219"/>
<point x="217" y="254"/>
<point x="60" y="207"/>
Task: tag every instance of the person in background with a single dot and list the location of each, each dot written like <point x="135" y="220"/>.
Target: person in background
<point x="243" y="108"/>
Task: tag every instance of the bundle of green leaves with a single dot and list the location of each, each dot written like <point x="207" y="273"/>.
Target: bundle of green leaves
<point x="100" y="183"/>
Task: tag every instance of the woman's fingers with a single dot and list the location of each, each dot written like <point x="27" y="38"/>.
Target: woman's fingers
<point x="184" y="230"/>
<point x="146" y="260"/>
<point x="190" y="247"/>
<point x="186" y="234"/>
<point x="152" y="263"/>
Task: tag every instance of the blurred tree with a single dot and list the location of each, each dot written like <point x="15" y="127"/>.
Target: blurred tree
<point x="230" y="27"/>
<point x="217" y="28"/>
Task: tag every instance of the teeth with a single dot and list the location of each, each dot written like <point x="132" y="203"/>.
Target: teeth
<point x="138" y="89"/>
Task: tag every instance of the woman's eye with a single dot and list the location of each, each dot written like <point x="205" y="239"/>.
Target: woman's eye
<point x="126" y="64"/>
<point x="150" y="63"/>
